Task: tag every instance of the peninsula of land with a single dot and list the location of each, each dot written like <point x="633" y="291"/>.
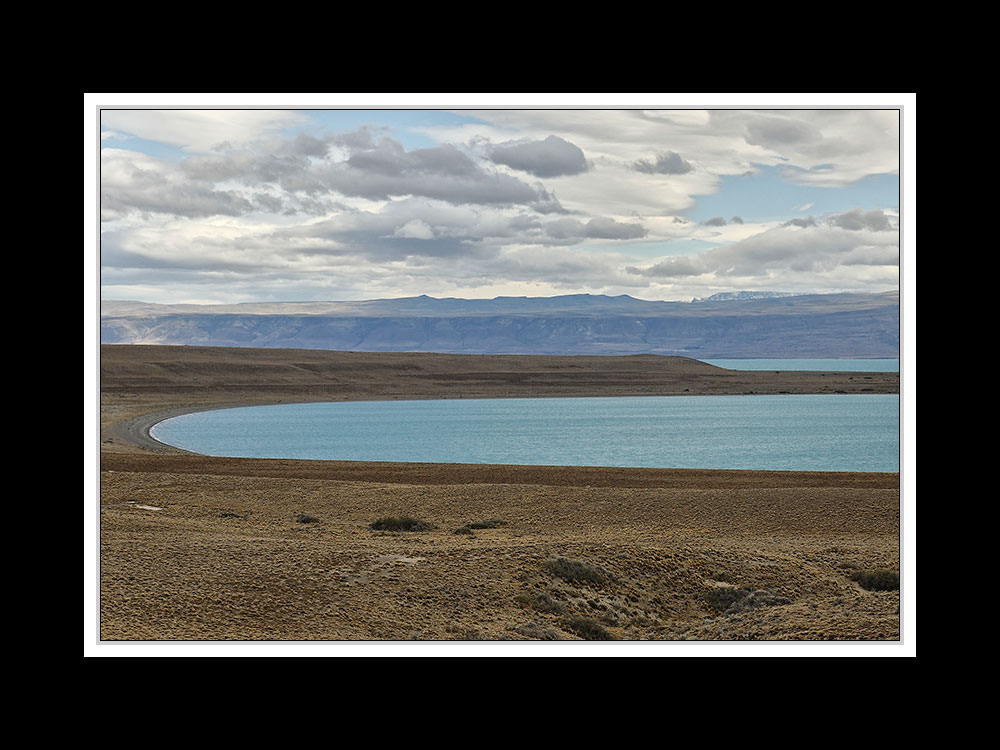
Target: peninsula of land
<point x="196" y="548"/>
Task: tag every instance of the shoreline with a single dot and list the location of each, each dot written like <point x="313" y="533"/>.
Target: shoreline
<point x="137" y="432"/>
<point x="197" y="548"/>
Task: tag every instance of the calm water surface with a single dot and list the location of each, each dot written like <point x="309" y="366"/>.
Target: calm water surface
<point x="820" y="433"/>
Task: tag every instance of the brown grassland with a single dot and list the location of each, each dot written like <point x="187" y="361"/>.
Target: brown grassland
<point x="195" y="548"/>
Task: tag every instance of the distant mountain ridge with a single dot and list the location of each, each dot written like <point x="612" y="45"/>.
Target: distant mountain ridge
<point x="735" y="296"/>
<point x="743" y="324"/>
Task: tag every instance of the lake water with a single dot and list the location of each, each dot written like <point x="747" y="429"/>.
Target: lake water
<point x="826" y="365"/>
<point x="843" y="432"/>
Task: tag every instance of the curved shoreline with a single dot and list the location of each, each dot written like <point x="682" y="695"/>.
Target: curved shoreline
<point x="148" y="384"/>
<point x="137" y="432"/>
<point x="205" y="549"/>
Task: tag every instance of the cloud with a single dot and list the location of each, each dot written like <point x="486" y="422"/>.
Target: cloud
<point x="666" y="163"/>
<point x="390" y="159"/>
<point x="441" y="172"/>
<point x="809" y="254"/>
<point x="201" y="130"/>
<point x="674" y="268"/>
<point x="854" y="143"/>
<point x="552" y="157"/>
<point x="610" y="229"/>
<point x="444" y="229"/>
<point x="414" y="240"/>
<point x="133" y="182"/>
<point x="308" y="175"/>
<point x="855" y="220"/>
<point x="424" y="246"/>
<point x="777" y="132"/>
<point x="282" y="160"/>
<point x="374" y="171"/>
<point x="807" y="222"/>
<point x="858" y="220"/>
<point x="276" y="211"/>
<point x="415" y="229"/>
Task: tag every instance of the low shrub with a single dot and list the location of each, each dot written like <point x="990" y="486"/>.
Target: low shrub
<point x="491" y="523"/>
<point x="877" y="580"/>
<point x="400" y="523"/>
<point x="722" y="598"/>
<point x="589" y="630"/>
<point x="542" y="602"/>
<point x="731" y="601"/>
<point x="306" y="518"/>
<point x="577" y="571"/>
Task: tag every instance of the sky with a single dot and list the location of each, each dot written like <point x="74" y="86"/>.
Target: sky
<point x="222" y="198"/>
<point x="344" y="201"/>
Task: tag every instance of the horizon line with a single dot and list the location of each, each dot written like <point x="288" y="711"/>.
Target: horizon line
<point x="499" y="297"/>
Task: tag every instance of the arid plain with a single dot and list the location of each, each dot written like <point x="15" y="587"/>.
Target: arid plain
<point x="195" y="548"/>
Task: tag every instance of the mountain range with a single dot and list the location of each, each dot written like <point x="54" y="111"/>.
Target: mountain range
<point x="743" y="324"/>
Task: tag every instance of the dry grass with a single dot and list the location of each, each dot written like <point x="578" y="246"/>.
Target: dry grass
<point x="202" y="549"/>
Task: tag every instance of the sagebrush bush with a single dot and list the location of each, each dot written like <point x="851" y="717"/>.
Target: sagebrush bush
<point x="577" y="571"/>
<point x="542" y="602"/>
<point x="589" y="630"/>
<point x="400" y="523"/>
<point x="878" y="580"/>
<point x="732" y="600"/>
<point x="491" y="523"/>
<point x="724" y="597"/>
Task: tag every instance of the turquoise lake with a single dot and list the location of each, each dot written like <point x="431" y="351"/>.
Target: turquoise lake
<point x="843" y="432"/>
